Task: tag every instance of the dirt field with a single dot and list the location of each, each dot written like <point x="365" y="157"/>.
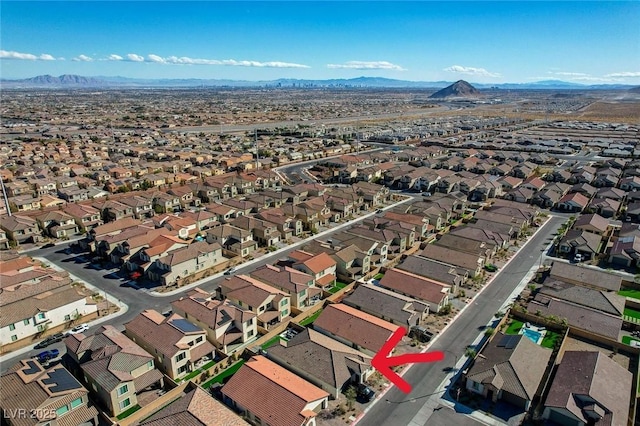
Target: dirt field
<point x="627" y="111"/>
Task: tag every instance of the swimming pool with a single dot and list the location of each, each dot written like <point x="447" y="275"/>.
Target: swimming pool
<point x="534" y="336"/>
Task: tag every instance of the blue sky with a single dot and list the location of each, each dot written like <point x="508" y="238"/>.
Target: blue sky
<point x="509" y="41"/>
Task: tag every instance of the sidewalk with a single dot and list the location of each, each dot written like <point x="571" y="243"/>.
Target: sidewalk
<point x="123" y="308"/>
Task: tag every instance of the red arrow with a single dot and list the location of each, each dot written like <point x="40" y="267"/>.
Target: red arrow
<point x="383" y="362"/>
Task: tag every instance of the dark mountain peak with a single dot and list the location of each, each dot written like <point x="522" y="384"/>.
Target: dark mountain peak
<point x="459" y="89"/>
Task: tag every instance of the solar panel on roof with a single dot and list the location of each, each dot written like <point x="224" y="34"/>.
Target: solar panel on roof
<point x="34" y="368"/>
<point x="508" y="341"/>
<point x="184" y="325"/>
<point x="61" y="380"/>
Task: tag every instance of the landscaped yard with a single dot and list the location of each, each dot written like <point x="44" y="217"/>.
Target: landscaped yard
<point x="199" y="370"/>
<point x="226" y="373"/>
<point x="628" y="312"/>
<point x="271" y="342"/>
<point x="628" y="339"/>
<point x="514" y="327"/>
<point x="310" y="319"/>
<point x="629" y="292"/>
<point x="378" y="276"/>
<point x="549" y="339"/>
<point x="128" y="412"/>
<point x="337" y="287"/>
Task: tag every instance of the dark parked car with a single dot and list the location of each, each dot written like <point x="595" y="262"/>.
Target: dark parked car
<point x="47" y="355"/>
<point x="420" y="333"/>
<point x="365" y="393"/>
<point x="50" y="341"/>
<point x="48" y="245"/>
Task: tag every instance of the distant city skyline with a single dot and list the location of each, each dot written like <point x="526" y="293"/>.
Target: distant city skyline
<point x="483" y="42"/>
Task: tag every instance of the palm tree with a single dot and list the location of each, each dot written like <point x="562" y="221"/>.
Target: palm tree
<point x="351" y="395"/>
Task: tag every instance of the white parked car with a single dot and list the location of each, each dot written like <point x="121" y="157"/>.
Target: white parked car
<point x="79" y="329"/>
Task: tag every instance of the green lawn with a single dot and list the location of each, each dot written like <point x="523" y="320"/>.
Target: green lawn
<point x="632" y="313"/>
<point x="635" y="294"/>
<point x="337" y="287"/>
<point x="271" y="342"/>
<point x="128" y="412"/>
<point x="226" y="373"/>
<point x="549" y="339"/>
<point x="310" y="319"/>
<point x="199" y="370"/>
<point x="378" y="276"/>
<point x="627" y="340"/>
<point x="514" y="327"/>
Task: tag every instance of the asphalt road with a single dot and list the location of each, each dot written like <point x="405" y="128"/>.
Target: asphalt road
<point x="397" y="408"/>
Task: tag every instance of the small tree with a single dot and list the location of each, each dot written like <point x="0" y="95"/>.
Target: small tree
<point x="489" y="331"/>
<point x="470" y="353"/>
<point x="351" y="395"/>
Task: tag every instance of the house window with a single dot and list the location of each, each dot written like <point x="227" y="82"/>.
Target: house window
<point x="150" y="364"/>
<point x="303" y="292"/>
<point x="41" y="315"/>
<point x="284" y="302"/>
<point x="199" y="339"/>
<point x="181" y="356"/>
<point x="76" y="402"/>
<point x="182" y="370"/>
<point x="60" y="411"/>
<point x="12" y="327"/>
<point x="41" y="327"/>
<point x="14" y="338"/>
<point x="285" y="312"/>
<point x="250" y="333"/>
<point x="123" y="389"/>
<point x="26" y="322"/>
<point x="124" y="404"/>
<point x="67" y="317"/>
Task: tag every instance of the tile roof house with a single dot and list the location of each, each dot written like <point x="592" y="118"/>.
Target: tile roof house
<point x="321" y="266"/>
<point x="178" y="345"/>
<point x="577" y="241"/>
<point x="21" y="229"/>
<point x="86" y="217"/>
<point x="574" y="202"/>
<point x="37" y="299"/>
<point x="592" y="223"/>
<point x="271" y="395"/>
<point x="194" y="407"/>
<point x="605" y="207"/>
<point x="584" y="276"/>
<point x="434" y="270"/>
<point x="388" y="305"/>
<point x="297" y="284"/>
<point x="604" y="301"/>
<point x="509" y="368"/>
<point x="268" y="303"/>
<point x="473" y="263"/>
<point x="352" y="327"/>
<point x="185" y="261"/>
<point x="435" y="293"/>
<point x="229" y="327"/>
<point x="114" y="367"/>
<point x="323" y="361"/>
<point x="589" y="388"/>
<point x="625" y="251"/>
<point x="34" y="395"/>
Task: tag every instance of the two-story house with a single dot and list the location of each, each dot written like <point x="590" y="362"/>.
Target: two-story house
<point x="298" y="285"/>
<point x="185" y="261"/>
<point x="178" y="345"/>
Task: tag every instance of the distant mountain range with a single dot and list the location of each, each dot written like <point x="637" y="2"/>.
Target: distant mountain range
<point x="459" y="89"/>
<point x="77" y="81"/>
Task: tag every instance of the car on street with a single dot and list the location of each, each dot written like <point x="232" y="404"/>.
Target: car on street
<point x="230" y="271"/>
<point x="79" y="329"/>
<point x="577" y="258"/>
<point x="55" y="338"/>
<point x="45" y="356"/>
<point x="48" y="245"/>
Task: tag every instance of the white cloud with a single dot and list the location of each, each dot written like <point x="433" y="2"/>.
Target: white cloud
<point x="459" y="69"/>
<point x="135" y="58"/>
<point x="623" y="74"/>
<point x="115" y="58"/>
<point x="83" y="58"/>
<point x="184" y="60"/>
<point x="569" y="74"/>
<point x="367" y="65"/>
<point x="155" y="58"/>
<point x="8" y="54"/>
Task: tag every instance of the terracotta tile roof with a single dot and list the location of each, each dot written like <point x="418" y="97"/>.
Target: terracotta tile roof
<point x="248" y="290"/>
<point x="355" y="326"/>
<point x="319" y="262"/>
<point x="117" y="225"/>
<point x="387" y="304"/>
<point x="159" y="332"/>
<point x="288" y="279"/>
<point x="215" y="314"/>
<point x="272" y="393"/>
<point x="194" y="408"/>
